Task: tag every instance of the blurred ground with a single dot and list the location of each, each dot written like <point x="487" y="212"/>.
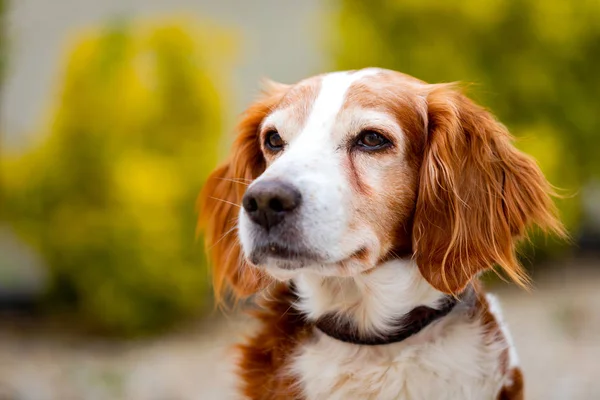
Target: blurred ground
<point x="555" y="328"/>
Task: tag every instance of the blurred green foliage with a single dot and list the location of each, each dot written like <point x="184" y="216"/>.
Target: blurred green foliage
<point x="107" y="196"/>
<point x="532" y="62"/>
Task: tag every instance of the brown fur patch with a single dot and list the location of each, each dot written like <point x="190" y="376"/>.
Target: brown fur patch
<point x="400" y="96"/>
<point x="361" y="255"/>
<point x="516" y="391"/>
<point x="388" y="211"/>
<point x="477" y="195"/>
<point x="354" y="178"/>
<point x="266" y="357"/>
<point x="221" y="198"/>
<point x="300" y="99"/>
<point x="492" y="330"/>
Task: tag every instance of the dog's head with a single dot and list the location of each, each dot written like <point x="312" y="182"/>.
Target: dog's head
<point x="343" y="171"/>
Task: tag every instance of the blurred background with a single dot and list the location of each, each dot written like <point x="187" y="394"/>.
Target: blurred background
<point x="113" y="112"/>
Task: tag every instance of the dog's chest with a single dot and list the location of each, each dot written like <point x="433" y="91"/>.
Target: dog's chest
<point x="445" y="362"/>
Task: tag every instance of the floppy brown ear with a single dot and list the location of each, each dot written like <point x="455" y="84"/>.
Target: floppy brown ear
<point x="221" y="198"/>
<point x="477" y="195"/>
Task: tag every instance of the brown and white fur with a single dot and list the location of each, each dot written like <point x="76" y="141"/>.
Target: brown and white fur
<point x="380" y="231"/>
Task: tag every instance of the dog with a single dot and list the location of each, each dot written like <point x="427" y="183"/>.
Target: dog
<point x="359" y="208"/>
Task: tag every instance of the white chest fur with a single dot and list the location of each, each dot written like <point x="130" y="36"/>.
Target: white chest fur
<point x="450" y="359"/>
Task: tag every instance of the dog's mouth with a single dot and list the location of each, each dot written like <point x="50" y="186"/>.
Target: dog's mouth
<point x="290" y="258"/>
<point x="285" y="256"/>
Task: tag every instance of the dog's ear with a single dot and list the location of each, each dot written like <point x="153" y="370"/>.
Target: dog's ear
<point x="221" y="199"/>
<point x="477" y="195"/>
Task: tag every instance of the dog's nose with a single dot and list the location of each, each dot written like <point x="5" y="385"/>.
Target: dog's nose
<point x="267" y="203"/>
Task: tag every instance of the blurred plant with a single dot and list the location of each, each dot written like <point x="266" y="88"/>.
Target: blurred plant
<point x="532" y="62"/>
<point x="108" y="196"/>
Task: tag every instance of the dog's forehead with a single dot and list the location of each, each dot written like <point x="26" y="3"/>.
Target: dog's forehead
<point x="319" y="100"/>
<point x="334" y="87"/>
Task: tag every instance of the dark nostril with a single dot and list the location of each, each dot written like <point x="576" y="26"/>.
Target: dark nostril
<point x="276" y="205"/>
<point x="252" y="205"/>
<point x="269" y="202"/>
<point x="249" y="203"/>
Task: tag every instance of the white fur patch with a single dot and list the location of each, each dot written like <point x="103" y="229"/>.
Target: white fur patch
<point x="494" y="307"/>
<point x="450" y="359"/>
<point x="373" y="300"/>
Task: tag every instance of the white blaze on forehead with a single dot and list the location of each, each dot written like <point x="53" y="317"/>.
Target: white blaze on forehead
<point x="331" y="98"/>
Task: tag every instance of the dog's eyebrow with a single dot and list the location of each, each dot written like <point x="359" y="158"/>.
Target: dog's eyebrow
<point x="274" y="118"/>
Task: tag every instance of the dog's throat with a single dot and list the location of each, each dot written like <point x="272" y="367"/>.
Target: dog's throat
<point x="409" y="324"/>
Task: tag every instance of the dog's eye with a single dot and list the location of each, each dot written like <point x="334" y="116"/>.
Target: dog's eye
<point x="273" y="141"/>
<point x="371" y="140"/>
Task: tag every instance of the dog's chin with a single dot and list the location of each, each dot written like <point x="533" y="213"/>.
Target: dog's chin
<point x="286" y="265"/>
<point x="281" y="272"/>
<point x="285" y="256"/>
<point x="283" y="269"/>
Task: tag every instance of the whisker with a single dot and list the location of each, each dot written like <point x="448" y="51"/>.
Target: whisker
<point x="236" y="178"/>
<point x="240" y="181"/>
<point x="293" y="305"/>
<point x="223" y="237"/>
<point x="225" y="201"/>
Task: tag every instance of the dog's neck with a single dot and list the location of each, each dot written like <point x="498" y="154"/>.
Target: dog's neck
<point x="373" y="302"/>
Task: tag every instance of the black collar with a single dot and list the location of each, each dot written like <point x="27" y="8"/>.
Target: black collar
<point x="409" y="324"/>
